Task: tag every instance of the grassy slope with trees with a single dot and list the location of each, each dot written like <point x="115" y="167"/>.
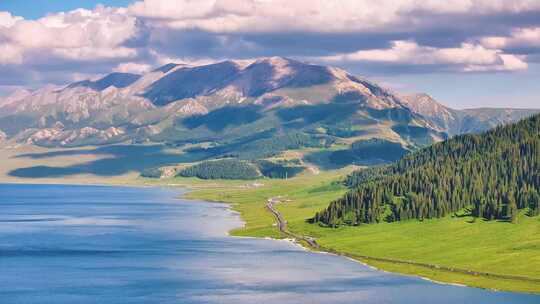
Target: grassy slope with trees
<point x="457" y="238"/>
<point x="452" y="241"/>
<point x="491" y="175"/>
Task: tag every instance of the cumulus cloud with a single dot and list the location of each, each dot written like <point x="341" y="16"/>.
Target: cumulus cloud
<point x="133" y="67"/>
<point x="467" y="58"/>
<point x="77" y="35"/>
<point x="7" y="20"/>
<point x="519" y="38"/>
<point x="226" y="16"/>
<point x="433" y="35"/>
<point x="10" y="53"/>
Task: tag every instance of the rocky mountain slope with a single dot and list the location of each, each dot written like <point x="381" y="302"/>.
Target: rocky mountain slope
<point x="455" y="122"/>
<point x="234" y="107"/>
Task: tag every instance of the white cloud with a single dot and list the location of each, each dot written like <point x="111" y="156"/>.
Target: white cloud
<point x="77" y="35"/>
<point x="8" y="20"/>
<point x="10" y="54"/>
<point x="132" y="67"/>
<point x="94" y="53"/>
<point x="153" y="32"/>
<point x="467" y="58"/>
<point x="311" y="15"/>
<point x="521" y="37"/>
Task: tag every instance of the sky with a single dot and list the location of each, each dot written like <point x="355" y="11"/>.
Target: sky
<point x="464" y="53"/>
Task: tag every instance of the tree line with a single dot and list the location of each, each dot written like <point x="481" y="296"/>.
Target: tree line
<point x="493" y="175"/>
<point x="240" y="169"/>
<point x="222" y="169"/>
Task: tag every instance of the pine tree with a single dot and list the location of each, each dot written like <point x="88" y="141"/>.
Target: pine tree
<point x="495" y="174"/>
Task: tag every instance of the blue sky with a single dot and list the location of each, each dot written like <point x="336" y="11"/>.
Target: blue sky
<point x="465" y="53"/>
<point x="516" y="90"/>
<point x="33" y="9"/>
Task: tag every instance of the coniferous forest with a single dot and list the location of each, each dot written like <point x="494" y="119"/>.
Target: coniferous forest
<point x="491" y="175"/>
<point x="222" y="169"/>
<point x="235" y="169"/>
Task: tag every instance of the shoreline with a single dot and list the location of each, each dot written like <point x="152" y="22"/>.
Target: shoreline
<point x="313" y="246"/>
<point x="374" y="262"/>
<point x="294" y="242"/>
<point x="189" y="188"/>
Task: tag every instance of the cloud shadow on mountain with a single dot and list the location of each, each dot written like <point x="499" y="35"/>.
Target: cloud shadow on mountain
<point x="220" y="119"/>
<point x="119" y="160"/>
<point x="310" y="114"/>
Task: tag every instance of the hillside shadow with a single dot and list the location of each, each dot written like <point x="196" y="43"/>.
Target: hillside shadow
<point x="233" y="148"/>
<point x="369" y="152"/>
<point x="220" y="119"/>
<point x="120" y="160"/>
<point x="333" y="160"/>
<point x="309" y="114"/>
<point x="324" y="160"/>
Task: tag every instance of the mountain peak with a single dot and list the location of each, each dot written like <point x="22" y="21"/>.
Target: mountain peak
<point x="276" y="60"/>
<point x="424" y="104"/>
<point x="116" y="79"/>
<point x="317" y="94"/>
<point x="190" y="82"/>
<point x="166" y="68"/>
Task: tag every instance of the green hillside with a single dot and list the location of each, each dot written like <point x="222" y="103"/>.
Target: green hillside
<point x="491" y="175"/>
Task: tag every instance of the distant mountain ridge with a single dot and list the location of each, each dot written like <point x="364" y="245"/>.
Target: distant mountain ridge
<point x="118" y="80"/>
<point x="234" y="104"/>
<point x="455" y="122"/>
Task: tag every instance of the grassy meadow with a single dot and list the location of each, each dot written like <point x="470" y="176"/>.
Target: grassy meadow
<point x="460" y="242"/>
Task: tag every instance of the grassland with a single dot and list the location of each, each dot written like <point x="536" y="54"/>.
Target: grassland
<point x="456" y="242"/>
<point x="459" y="242"/>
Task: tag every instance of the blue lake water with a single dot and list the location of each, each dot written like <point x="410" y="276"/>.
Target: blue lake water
<point x="93" y="244"/>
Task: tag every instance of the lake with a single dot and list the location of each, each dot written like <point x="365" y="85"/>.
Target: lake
<point x="99" y="244"/>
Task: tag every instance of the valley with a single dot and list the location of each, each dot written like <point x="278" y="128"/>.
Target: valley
<point x="459" y="242"/>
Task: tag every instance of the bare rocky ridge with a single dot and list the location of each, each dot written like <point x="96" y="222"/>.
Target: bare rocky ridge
<point x="455" y="122"/>
<point x="154" y="106"/>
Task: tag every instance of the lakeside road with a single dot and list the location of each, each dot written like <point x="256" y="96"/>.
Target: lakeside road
<point x="282" y="225"/>
<point x="313" y="245"/>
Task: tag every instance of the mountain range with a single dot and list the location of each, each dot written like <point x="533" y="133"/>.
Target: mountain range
<point x="231" y="107"/>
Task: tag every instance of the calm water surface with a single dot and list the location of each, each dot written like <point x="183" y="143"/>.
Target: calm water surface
<point x="89" y="244"/>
